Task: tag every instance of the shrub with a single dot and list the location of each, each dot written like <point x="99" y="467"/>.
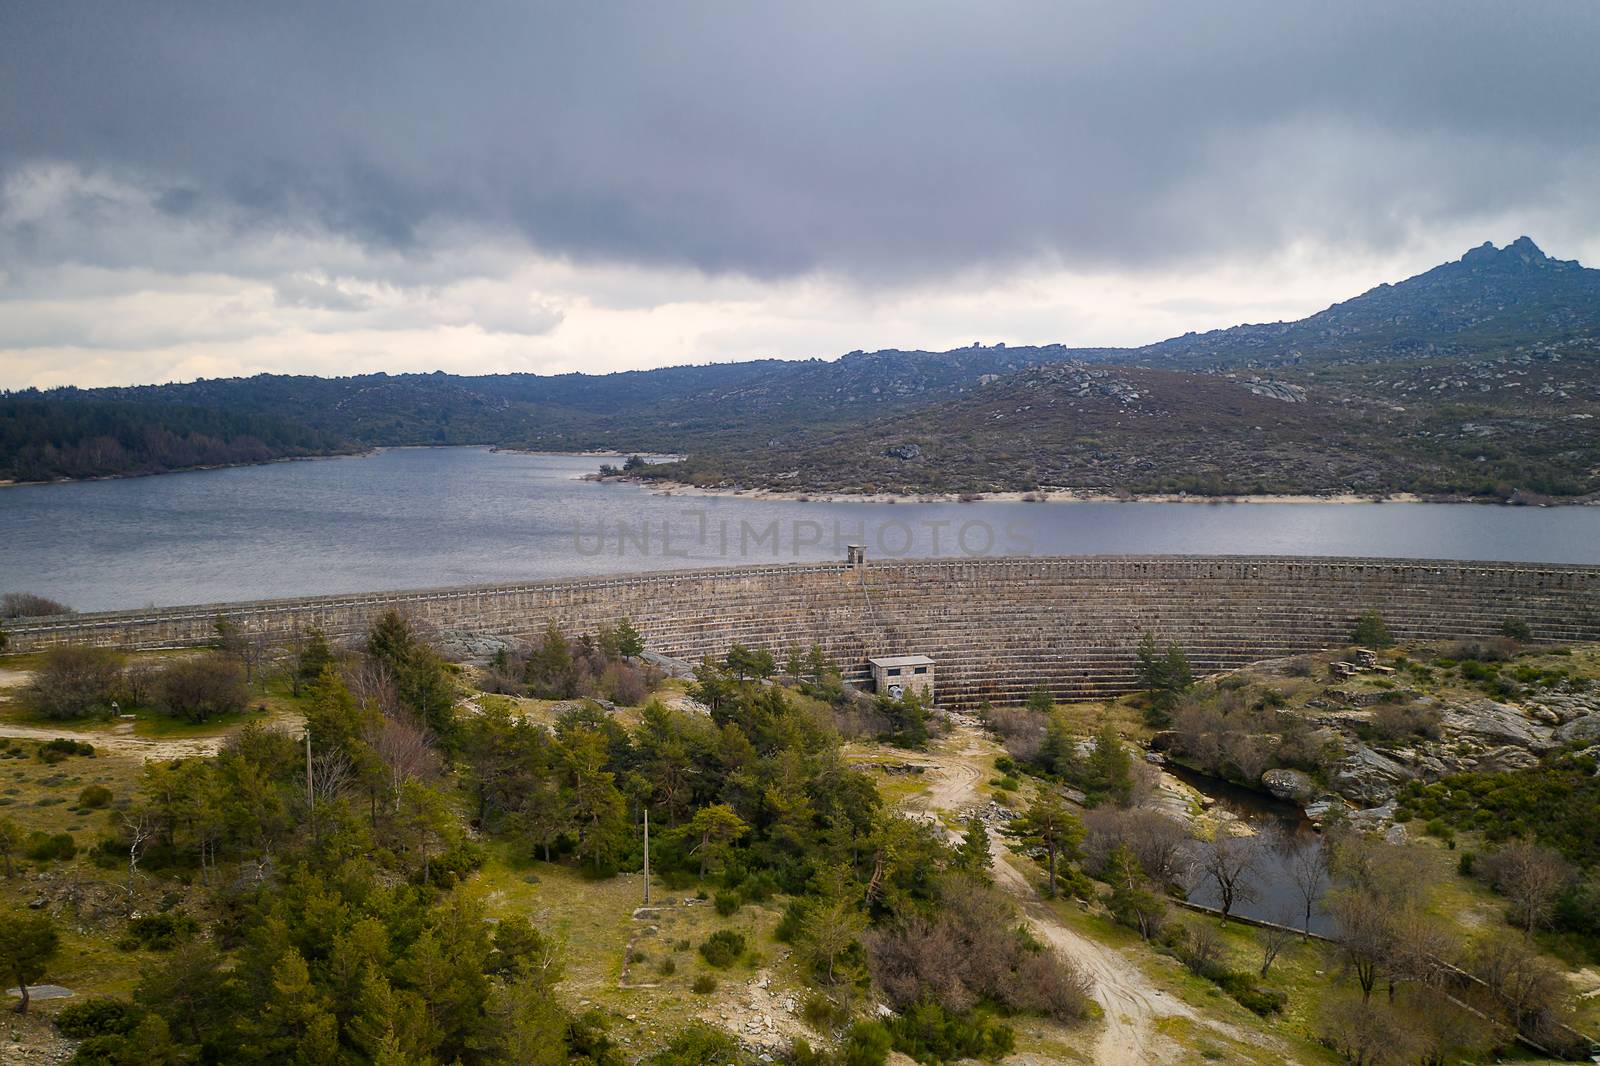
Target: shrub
<point x="1244" y="990"/>
<point x="158" y="932"/>
<point x="792" y="922"/>
<point x="972" y="951"/>
<point x="759" y="887"/>
<point x="1370" y="631"/>
<point x="1516" y="629"/>
<point x="667" y="966"/>
<point x="73" y="682"/>
<point x="929" y="1033"/>
<point x="94" y="796"/>
<point x="722" y="948"/>
<point x="101" y="1016"/>
<point x="823" y="1012"/>
<point x="727" y="902"/>
<point x="698" y="1044"/>
<point x="1398" y="721"/>
<point x="54" y="751"/>
<point x="704" y="984"/>
<point x="44" y="847"/>
<point x="202" y="687"/>
<point x="867" y="1044"/>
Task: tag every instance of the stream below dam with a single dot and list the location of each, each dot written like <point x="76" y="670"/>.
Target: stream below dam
<point x="1282" y="830"/>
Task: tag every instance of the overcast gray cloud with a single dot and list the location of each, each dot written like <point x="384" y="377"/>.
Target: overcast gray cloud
<point x="512" y="168"/>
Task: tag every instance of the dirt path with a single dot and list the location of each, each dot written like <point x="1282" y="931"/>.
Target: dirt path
<point x="1132" y="1005"/>
<point x="121" y="740"/>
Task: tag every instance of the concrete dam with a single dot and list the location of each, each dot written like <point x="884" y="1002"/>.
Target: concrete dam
<point x="996" y="627"/>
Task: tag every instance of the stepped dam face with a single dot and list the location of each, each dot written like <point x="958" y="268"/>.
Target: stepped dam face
<point x="994" y="627"/>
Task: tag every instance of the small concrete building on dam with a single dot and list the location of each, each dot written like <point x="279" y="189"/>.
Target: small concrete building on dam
<point x="897" y="675"/>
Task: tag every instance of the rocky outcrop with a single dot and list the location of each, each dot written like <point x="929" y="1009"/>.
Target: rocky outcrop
<point x="1497" y="723"/>
<point x="1370" y="777"/>
<point x="1277" y="390"/>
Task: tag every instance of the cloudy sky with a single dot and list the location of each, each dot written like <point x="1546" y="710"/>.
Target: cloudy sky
<point x="220" y="188"/>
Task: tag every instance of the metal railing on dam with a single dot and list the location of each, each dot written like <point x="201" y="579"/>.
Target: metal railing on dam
<point x="995" y="626"/>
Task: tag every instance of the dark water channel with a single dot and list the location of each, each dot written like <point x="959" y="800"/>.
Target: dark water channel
<point x="1282" y="831"/>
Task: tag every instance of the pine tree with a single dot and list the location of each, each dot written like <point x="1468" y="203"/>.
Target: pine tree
<point x="315" y="657"/>
<point x="1108" y="771"/>
<point x="630" y="642"/>
<point x="1047" y="824"/>
<point x="713" y="829"/>
<point x="390" y="640"/>
<point x="1178" y="675"/>
<point x="972" y="856"/>
<point x="293" y="1024"/>
<point x="1133" y="902"/>
<point x="1040" y="700"/>
<point x="1150" y="669"/>
<point x="27" y="944"/>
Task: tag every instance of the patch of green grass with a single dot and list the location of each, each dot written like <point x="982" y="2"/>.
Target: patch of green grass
<point x="593" y="920"/>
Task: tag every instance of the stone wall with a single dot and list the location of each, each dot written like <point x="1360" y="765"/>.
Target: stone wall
<point x="995" y="627"/>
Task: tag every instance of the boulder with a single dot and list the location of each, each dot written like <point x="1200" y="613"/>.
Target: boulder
<point x="1286" y="784"/>
<point x="1321" y="809"/>
<point x="1369" y="777"/>
<point x="1373" y="819"/>
<point x="1582" y="729"/>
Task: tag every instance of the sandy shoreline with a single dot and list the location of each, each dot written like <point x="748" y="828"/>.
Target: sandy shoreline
<point x="676" y="488"/>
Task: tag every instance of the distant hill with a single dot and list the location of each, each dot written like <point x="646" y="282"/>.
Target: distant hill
<point x="1490" y="300"/>
<point x="44" y="440"/>
<point x="668" y="409"/>
<point x="1476" y="377"/>
<point x="1134" y="430"/>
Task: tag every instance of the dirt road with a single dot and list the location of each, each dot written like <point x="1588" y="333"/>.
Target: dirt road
<point x="1132" y="1005"/>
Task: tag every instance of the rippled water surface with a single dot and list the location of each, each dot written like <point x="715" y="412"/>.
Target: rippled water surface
<point x="412" y="518"/>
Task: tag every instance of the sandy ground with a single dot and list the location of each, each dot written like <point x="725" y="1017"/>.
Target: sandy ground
<point x="677" y="488"/>
<point x="120" y="740"/>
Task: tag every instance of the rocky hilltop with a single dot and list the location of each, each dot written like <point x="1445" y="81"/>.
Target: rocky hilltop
<point x="1490" y="299"/>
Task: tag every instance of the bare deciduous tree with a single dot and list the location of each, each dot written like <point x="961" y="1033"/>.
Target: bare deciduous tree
<point x="331" y="774"/>
<point x="141" y="828"/>
<point x="406" y="750"/>
<point x="1529" y="990"/>
<point x="1228" y="863"/>
<point x="1307" y="865"/>
<point x="372" y="686"/>
<point x="1273" y="939"/>
<point x="1363" y="932"/>
<point x="1158" y="841"/>
<point x="1532" y="878"/>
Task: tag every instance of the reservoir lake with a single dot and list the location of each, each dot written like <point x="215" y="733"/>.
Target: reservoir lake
<point x="416" y="518"/>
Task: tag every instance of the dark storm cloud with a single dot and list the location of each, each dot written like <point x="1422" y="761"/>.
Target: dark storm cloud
<point x="878" y="140"/>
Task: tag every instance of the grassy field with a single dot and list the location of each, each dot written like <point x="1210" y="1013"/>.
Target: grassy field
<point x="616" y="951"/>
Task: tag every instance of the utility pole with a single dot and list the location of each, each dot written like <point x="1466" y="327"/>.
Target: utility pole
<point x="647" y="856"/>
